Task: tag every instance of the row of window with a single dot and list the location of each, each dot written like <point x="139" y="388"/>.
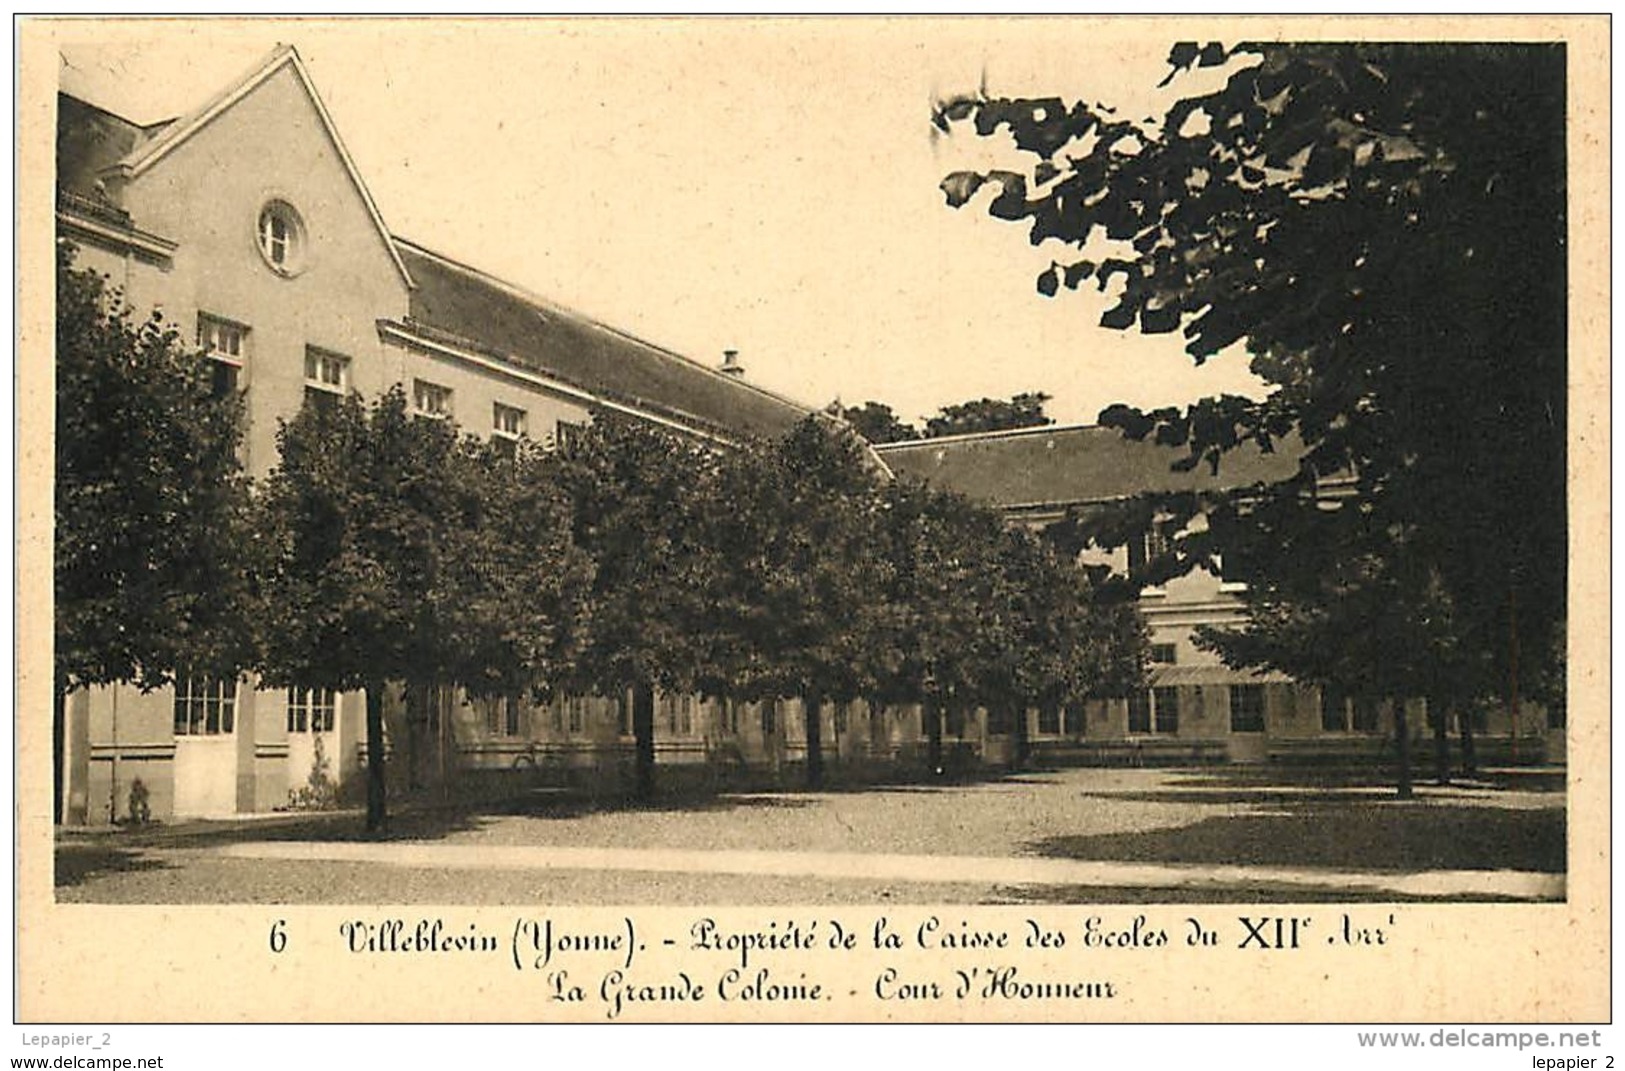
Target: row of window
<point x="208" y="707"/>
<point x="1157" y="710"/>
<point x="675" y="712"/>
<point x="205" y="707"/>
<point x="327" y="376"/>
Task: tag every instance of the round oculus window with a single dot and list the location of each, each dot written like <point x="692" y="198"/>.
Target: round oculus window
<point x="281" y="235"/>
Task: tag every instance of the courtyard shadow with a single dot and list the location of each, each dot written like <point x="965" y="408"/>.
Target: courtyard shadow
<point x="559" y="807"/>
<point x="1515" y="779"/>
<point x="1212" y="895"/>
<point x="417" y="823"/>
<point x="78" y="863"/>
<point x="1222" y="794"/>
<point x="406" y="822"/>
<point x="1343" y="836"/>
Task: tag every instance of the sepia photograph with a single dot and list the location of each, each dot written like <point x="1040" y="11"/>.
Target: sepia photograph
<point x="728" y="491"/>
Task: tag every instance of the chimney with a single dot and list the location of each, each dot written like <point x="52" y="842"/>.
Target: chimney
<point x="730" y="363"/>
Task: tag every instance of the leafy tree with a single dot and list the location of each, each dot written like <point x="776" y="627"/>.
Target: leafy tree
<point x="945" y="631"/>
<point x="1074" y="638"/>
<point x="402" y="554"/>
<point x="1360" y="610"/>
<point x="509" y="587"/>
<point x="875" y="421"/>
<point x="1381" y="227"/>
<point x="153" y="551"/>
<point x="1024" y="410"/>
<point x="512" y="592"/>
<point x="638" y="510"/>
<point x="800" y="541"/>
<point x="352" y="509"/>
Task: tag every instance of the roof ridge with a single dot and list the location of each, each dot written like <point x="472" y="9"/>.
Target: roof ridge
<point x="184" y="123"/>
<point x="155" y="149"/>
<point x="968" y="436"/>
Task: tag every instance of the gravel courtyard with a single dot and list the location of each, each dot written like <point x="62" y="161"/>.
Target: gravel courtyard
<point x="1228" y="834"/>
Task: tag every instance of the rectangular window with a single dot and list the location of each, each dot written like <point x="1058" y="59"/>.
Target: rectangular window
<point x="1367" y="718"/>
<point x="502" y="715"/>
<point x="327" y="376"/>
<point x="226" y="345"/>
<point x="507" y="428"/>
<point x="507" y="422"/>
<point x="1139" y="711"/>
<point x="685" y="715"/>
<point x="843" y="715"/>
<point x="565" y="434"/>
<point x="1237" y="567"/>
<point x="623" y="712"/>
<point x="770" y="716"/>
<point x="222" y="339"/>
<point x="205" y="707"/>
<point x="576" y="709"/>
<point x="1165" y="705"/>
<point x="1246" y="708"/>
<point x="1163" y="654"/>
<point x="1145" y="549"/>
<point x="1072" y="719"/>
<point x="423" y="705"/>
<point x="431" y="399"/>
<point x="1049" y="720"/>
<point x="1334" y="709"/>
<point x="310" y="710"/>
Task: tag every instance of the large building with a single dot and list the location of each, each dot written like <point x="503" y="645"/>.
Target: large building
<point x="247" y="224"/>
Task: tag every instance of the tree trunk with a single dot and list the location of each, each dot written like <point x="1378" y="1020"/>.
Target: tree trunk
<point x="813" y="705"/>
<point x="1512" y="664"/>
<point x="442" y="721"/>
<point x="1439" y="717"/>
<point x="1020" y="746"/>
<point x="1469" y="749"/>
<point x="643" y="736"/>
<point x="375" y="758"/>
<point x="1402" y="737"/>
<point x="59" y="748"/>
<point x="932" y="710"/>
<point x="417" y="700"/>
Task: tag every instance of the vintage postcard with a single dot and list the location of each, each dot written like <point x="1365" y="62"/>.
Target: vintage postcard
<point x="813" y="520"/>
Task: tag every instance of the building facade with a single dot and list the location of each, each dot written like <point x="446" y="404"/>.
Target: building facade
<point x="1195" y="708"/>
<point x="248" y="227"/>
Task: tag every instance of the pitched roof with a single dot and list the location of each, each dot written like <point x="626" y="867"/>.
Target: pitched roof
<point x="90" y="139"/>
<point x="1059" y="466"/>
<point x="463" y="305"/>
<point x="450" y="302"/>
